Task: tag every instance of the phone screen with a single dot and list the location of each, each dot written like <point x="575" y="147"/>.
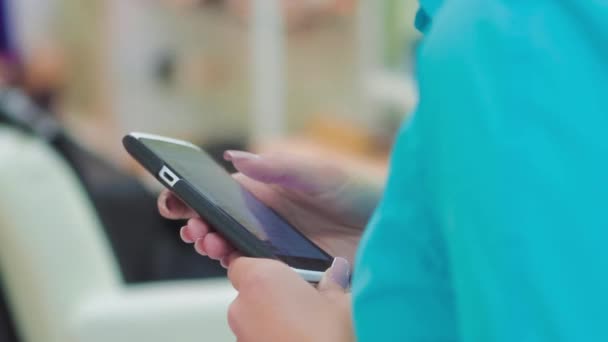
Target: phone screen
<point x="203" y="173"/>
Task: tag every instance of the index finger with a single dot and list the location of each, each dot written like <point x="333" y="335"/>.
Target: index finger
<point x="171" y="207"/>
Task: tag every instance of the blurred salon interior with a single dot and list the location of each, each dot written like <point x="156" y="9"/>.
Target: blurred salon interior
<point x="84" y="254"/>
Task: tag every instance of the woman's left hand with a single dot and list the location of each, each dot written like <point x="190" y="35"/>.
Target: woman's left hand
<point x="276" y="304"/>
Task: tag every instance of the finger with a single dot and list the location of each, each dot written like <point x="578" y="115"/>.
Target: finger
<point x="215" y="246"/>
<point x="241" y="269"/>
<point x="337" y="277"/>
<point x="288" y="171"/>
<point x="234" y="317"/>
<point x="196" y="229"/>
<point x="236" y="270"/>
<point x="199" y="247"/>
<point x="171" y="207"/>
<point x="185" y="236"/>
<point x="227" y="260"/>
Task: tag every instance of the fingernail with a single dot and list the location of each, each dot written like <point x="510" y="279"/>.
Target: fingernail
<point x="232" y="155"/>
<point x="340" y="272"/>
<point x="198" y="247"/>
<point x="174" y="205"/>
<point x="185" y="234"/>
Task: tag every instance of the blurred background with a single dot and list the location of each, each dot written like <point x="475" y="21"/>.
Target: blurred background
<point x="330" y="78"/>
<point x="221" y="71"/>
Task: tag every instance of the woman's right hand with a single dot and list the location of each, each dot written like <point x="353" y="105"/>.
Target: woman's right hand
<point x="326" y="202"/>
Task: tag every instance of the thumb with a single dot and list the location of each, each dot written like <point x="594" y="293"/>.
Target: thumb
<point x="285" y="170"/>
<point x="337" y="277"/>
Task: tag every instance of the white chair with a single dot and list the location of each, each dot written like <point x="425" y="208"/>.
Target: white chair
<point x="60" y="276"/>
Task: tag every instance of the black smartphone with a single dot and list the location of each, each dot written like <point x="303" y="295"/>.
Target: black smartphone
<point x="248" y="224"/>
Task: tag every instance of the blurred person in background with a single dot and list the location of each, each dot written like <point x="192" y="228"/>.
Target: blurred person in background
<point x="492" y="224"/>
<point x="35" y="71"/>
<point x="33" y="60"/>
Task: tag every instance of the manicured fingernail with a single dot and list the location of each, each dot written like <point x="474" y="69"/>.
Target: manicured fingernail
<point x="174" y="205"/>
<point x="232" y="155"/>
<point x="185" y="234"/>
<point x="198" y="246"/>
<point x="340" y="272"/>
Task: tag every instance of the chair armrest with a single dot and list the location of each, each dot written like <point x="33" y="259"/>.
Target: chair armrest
<point x="176" y="311"/>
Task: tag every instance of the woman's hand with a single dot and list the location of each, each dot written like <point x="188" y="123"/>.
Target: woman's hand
<point x="275" y="304"/>
<point x="329" y="204"/>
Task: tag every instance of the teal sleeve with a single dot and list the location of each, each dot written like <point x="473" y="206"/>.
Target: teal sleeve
<point x="493" y="227"/>
<point x="516" y="93"/>
<point x="402" y="287"/>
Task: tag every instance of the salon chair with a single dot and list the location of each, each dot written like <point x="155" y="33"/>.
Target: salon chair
<point x="60" y="277"/>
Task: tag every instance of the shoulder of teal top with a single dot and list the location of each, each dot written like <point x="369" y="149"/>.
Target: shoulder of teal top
<point x="495" y="206"/>
<point x="401" y="284"/>
<point x="422" y="20"/>
<point x="428" y="8"/>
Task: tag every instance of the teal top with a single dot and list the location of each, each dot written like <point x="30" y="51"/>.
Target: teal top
<point x="494" y="224"/>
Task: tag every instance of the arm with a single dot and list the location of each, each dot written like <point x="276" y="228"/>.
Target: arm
<point x="402" y="286"/>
